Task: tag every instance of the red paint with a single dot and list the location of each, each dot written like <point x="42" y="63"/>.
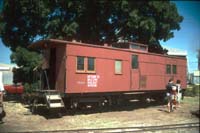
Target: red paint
<point x="151" y="74"/>
<point x="14" y="89"/>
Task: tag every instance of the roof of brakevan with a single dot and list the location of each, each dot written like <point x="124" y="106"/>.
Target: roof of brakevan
<point x="53" y="42"/>
<point x="42" y="43"/>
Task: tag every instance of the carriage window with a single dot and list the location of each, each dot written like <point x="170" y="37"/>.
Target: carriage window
<point x="85" y="64"/>
<point x="134" y="61"/>
<point x="174" y="69"/>
<point x="91" y="66"/>
<point x="80" y="63"/>
<point x="118" y="67"/>
<point x="168" y="69"/>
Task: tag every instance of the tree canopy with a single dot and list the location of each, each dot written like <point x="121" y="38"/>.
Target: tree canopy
<point x="91" y="21"/>
<point x="27" y="62"/>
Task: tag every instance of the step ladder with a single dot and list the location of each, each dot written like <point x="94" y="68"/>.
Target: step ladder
<point x="54" y="100"/>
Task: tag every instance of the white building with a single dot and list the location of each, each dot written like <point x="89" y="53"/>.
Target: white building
<point x="196" y="77"/>
<point x="176" y="52"/>
<point x="7" y="74"/>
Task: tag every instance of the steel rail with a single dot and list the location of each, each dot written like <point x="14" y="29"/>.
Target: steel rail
<point x="122" y="129"/>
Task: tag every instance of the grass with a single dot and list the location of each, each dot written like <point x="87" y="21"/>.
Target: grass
<point x="191" y="100"/>
<point x="192" y="90"/>
<point x="192" y="95"/>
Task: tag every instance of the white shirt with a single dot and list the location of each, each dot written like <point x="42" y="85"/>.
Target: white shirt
<point x="1" y="82"/>
<point x="179" y="87"/>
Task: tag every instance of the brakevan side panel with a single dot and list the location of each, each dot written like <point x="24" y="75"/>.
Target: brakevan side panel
<point x="153" y="71"/>
<point x="150" y="74"/>
<point x="135" y="71"/>
<point x="182" y="72"/>
<point x="104" y="78"/>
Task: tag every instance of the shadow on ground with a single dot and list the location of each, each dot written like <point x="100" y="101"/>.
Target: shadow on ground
<point x="128" y="106"/>
<point x="196" y="113"/>
<point x="86" y="109"/>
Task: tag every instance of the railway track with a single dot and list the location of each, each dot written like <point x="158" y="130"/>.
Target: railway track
<point x="186" y="126"/>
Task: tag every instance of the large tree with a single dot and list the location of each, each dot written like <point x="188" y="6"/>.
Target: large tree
<point x="91" y="21"/>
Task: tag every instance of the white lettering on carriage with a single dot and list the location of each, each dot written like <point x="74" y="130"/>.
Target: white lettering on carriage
<point x="92" y="80"/>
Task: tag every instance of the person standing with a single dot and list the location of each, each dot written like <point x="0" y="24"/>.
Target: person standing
<point x="2" y="112"/>
<point x="1" y="88"/>
<point x="179" y="92"/>
<point x="169" y="93"/>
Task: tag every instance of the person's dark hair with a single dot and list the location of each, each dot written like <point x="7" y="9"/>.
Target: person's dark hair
<point x="178" y="81"/>
<point x="170" y="80"/>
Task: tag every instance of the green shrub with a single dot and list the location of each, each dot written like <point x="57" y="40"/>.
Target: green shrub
<point x="29" y="88"/>
<point x="192" y="90"/>
<point x="196" y="89"/>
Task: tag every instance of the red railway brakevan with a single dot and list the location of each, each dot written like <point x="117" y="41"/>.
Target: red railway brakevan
<point x="88" y="72"/>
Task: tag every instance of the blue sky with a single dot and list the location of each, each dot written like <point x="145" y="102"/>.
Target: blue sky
<point x="188" y="38"/>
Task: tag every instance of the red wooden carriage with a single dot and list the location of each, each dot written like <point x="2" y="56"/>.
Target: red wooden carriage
<point x="86" y="72"/>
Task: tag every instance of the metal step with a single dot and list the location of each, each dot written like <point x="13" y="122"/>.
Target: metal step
<point x="56" y="105"/>
<point x="54" y="97"/>
<point x="54" y="101"/>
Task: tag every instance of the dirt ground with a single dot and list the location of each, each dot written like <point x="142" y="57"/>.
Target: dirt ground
<point x="19" y="119"/>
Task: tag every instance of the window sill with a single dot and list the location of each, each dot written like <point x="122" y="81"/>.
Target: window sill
<point x="85" y="72"/>
<point x="118" y="73"/>
<point x="90" y="71"/>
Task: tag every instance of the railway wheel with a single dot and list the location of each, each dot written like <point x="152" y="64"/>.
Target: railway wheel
<point x="160" y="98"/>
<point x="143" y="99"/>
